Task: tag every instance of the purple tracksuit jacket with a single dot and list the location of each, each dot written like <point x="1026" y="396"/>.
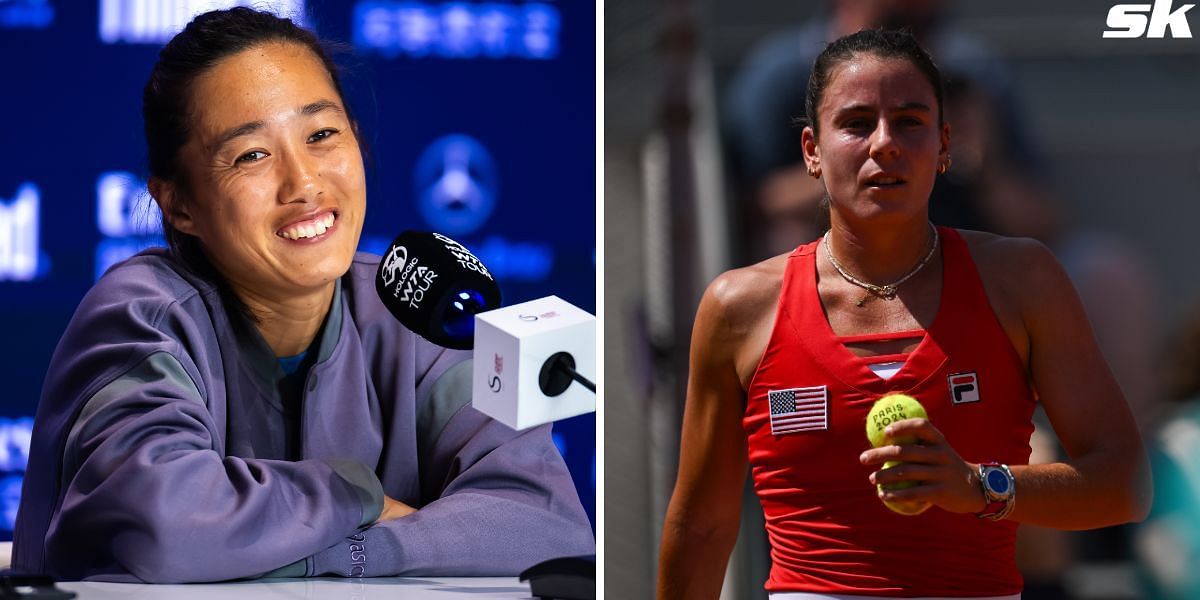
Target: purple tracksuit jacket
<point x="158" y="450"/>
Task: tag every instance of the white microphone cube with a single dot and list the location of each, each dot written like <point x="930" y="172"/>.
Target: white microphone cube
<point x="511" y="346"/>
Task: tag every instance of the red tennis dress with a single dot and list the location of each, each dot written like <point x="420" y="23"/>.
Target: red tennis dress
<point x="805" y="424"/>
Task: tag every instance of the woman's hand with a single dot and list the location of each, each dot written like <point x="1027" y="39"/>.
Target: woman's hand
<point x="394" y="509"/>
<point x="942" y="476"/>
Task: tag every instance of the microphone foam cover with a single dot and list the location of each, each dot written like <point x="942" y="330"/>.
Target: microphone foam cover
<point x="434" y="286"/>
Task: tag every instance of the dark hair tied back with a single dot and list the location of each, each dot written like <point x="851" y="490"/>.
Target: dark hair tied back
<point x="876" y="42"/>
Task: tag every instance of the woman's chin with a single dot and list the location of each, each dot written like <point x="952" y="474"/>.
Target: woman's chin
<point x="316" y="277"/>
<point x="884" y="214"/>
<point x="888" y="205"/>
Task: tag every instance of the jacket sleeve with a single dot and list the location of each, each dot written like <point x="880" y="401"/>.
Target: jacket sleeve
<point x="497" y="501"/>
<point x="148" y="491"/>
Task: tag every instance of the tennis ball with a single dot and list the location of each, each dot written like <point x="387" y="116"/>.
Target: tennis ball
<point x="888" y="410"/>
<point x="904" y="507"/>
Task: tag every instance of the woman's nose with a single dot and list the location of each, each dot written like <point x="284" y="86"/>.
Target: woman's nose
<point x="883" y="142"/>
<point x="300" y="178"/>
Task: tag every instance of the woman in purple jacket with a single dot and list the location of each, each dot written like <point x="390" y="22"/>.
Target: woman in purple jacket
<point x="242" y="404"/>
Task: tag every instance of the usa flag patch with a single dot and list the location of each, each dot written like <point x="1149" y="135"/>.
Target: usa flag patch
<point x="799" y="409"/>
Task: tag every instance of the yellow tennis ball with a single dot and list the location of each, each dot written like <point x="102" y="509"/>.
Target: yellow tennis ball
<point x="904" y="507"/>
<point x="888" y="410"/>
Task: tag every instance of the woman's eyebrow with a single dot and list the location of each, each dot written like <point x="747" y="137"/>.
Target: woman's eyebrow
<point x="307" y="110"/>
<point x="912" y="106"/>
<point x="865" y="108"/>
<point x="854" y="108"/>
<point x="236" y="132"/>
<point x="320" y="105"/>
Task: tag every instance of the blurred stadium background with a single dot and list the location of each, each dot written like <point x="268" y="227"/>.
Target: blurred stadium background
<point x="479" y="119"/>
<point x="1094" y="148"/>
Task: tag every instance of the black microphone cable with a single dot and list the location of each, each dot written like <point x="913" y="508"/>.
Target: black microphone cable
<point x="557" y="374"/>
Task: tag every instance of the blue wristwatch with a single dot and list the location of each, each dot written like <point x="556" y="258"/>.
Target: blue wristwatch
<point x="999" y="490"/>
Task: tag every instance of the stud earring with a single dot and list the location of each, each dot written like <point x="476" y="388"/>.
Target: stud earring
<point x="942" y="168"/>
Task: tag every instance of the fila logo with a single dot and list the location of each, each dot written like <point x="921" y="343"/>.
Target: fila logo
<point x="1129" y="20"/>
<point x="964" y="387"/>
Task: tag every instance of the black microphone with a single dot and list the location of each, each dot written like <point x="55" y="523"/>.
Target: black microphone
<point x="434" y="286"/>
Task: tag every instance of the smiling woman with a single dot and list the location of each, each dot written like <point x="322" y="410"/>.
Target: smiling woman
<point x="242" y="404"/>
<point x="281" y="175"/>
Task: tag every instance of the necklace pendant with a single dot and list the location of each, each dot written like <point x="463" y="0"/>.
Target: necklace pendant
<point x="887" y="292"/>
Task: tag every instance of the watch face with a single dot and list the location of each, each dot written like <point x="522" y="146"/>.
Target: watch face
<point x="997" y="481"/>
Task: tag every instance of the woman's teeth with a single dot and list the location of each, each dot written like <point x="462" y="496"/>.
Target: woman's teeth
<point x="309" y="229"/>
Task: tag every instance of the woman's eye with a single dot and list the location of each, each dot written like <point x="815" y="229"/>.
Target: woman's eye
<point x="322" y="134"/>
<point x="251" y="156"/>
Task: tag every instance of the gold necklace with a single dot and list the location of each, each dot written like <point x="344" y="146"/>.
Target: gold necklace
<point x="887" y="292"/>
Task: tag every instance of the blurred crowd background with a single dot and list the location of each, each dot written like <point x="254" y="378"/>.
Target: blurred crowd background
<point x="1086" y="143"/>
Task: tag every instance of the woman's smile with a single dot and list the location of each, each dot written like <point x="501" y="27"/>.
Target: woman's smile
<point x="310" y="230"/>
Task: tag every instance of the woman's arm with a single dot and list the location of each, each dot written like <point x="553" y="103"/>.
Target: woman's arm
<point x="130" y="477"/>
<point x="150" y="493"/>
<point x="494" y="501"/>
<point x="701" y="525"/>
<point x="1107" y="479"/>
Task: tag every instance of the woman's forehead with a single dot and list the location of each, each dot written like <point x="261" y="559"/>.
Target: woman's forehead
<point x="267" y="82"/>
<point x="880" y="82"/>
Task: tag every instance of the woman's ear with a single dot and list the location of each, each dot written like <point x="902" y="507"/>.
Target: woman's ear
<point x="171" y="204"/>
<point x="812" y="152"/>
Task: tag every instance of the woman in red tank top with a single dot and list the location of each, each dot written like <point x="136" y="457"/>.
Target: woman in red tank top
<point x="789" y="354"/>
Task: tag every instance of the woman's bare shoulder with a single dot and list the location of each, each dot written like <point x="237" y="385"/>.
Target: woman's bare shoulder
<point x="733" y="323"/>
<point x="743" y="296"/>
<point x="1009" y="258"/>
<point x="1020" y="275"/>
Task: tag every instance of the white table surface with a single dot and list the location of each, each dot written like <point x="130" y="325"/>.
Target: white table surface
<point x="375" y="588"/>
<point x="319" y="588"/>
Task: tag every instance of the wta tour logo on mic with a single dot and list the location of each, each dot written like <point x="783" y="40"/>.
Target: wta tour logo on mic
<point x="464" y="257"/>
<point x="435" y="286"/>
<point x="393" y="264"/>
<point x="415" y="278"/>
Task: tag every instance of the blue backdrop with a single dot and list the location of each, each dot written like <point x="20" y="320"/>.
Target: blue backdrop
<point x="479" y="119"/>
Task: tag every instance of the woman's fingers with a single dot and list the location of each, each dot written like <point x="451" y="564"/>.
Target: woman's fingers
<point x="394" y="509"/>
<point x="922" y="429"/>
<point x="927" y="466"/>
<point x="937" y="455"/>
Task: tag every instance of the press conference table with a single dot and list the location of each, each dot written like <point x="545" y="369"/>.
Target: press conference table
<point x="324" y="588"/>
<point x="425" y="588"/>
